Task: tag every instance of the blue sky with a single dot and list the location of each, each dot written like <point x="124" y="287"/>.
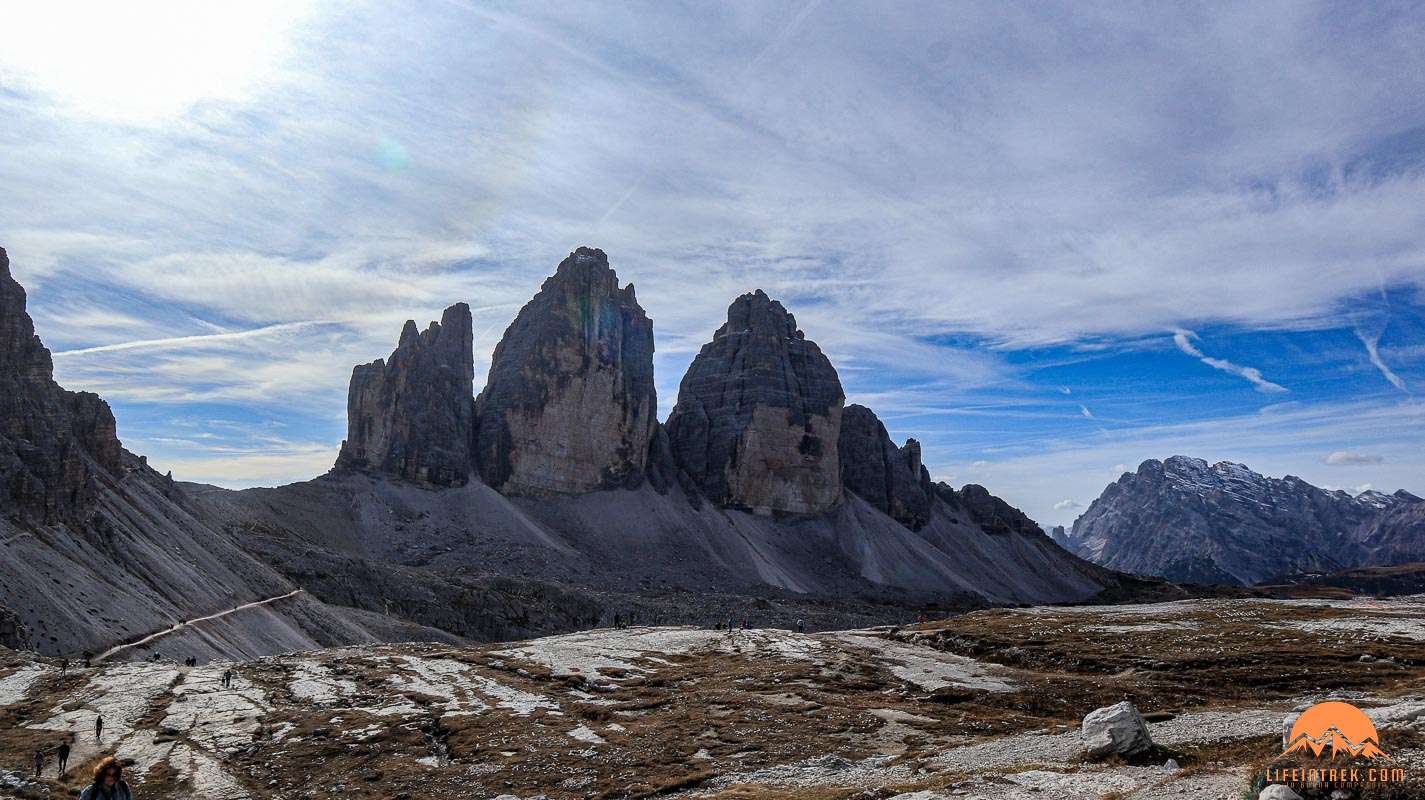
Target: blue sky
<point x="1048" y="242"/>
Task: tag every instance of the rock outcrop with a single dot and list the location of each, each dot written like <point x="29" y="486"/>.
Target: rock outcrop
<point x="888" y="477"/>
<point x="412" y="415"/>
<point x="570" y="404"/>
<point x="1186" y="520"/>
<point x="53" y="442"/>
<point x="758" y="419"/>
<point x="989" y="512"/>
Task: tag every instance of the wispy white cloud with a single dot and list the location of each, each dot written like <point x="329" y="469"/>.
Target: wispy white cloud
<point x="1067" y="505"/>
<point x="1183" y="339"/>
<point x="1346" y="457"/>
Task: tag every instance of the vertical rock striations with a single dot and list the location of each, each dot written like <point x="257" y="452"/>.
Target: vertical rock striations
<point x="570" y="405"/>
<point x="758" y="418"/>
<point x="412" y="415"/>
<point x="888" y="477"/>
<point x="53" y="442"/>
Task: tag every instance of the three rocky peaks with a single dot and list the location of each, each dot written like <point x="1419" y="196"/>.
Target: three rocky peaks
<point x="570" y="407"/>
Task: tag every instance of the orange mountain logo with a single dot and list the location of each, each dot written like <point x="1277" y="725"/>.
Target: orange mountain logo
<point x="1339" y="727"/>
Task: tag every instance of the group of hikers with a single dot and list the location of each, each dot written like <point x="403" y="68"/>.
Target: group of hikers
<point x="108" y="778"/>
<point x="62" y="755"/>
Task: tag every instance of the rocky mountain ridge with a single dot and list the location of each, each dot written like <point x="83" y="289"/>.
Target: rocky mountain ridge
<point x="760" y="485"/>
<point x="551" y="502"/>
<point x="1186" y="519"/>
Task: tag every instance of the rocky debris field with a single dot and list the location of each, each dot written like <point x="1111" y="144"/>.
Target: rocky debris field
<point x="985" y="705"/>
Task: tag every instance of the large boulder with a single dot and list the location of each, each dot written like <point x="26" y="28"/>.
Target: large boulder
<point x="570" y="404"/>
<point x="1278" y="791"/>
<point x="412" y="415"/>
<point x="888" y="477"/>
<point x="1115" y="730"/>
<point x="758" y="419"/>
<point x="54" y="444"/>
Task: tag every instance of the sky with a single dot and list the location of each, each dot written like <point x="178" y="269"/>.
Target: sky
<point x="1049" y="242"/>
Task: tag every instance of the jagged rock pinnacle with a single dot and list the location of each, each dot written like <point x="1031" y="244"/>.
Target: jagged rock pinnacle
<point x="758" y="417"/>
<point x="570" y="404"/>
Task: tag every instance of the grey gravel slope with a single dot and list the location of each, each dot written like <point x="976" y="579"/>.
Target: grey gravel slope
<point x="638" y="540"/>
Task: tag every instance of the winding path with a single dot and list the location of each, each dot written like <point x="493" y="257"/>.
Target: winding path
<point x="180" y="626"/>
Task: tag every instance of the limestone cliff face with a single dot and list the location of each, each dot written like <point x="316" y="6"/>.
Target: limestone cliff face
<point x="758" y="418"/>
<point x="412" y="415"/>
<point x="53" y="443"/>
<point x="570" y="404"/>
<point x="888" y="477"/>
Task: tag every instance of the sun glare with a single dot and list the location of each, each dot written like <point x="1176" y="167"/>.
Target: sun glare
<point x="144" y="61"/>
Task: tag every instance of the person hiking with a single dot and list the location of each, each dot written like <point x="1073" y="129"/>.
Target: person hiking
<point x="39" y="762"/>
<point x="98" y="726"/>
<point x="63" y="754"/>
<point x="801" y="626"/>
<point x="228" y="679"/>
<point x="108" y="782"/>
<point x="64" y="666"/>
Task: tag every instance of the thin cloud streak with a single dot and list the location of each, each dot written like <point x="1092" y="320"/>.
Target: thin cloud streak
<point x="180" y="342"/>
<point x="1183" y="339"/>
<point x="1372" y="344"/>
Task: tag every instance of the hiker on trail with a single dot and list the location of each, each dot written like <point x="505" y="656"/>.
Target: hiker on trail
<point x="39" y="762"/>
<point x="98" y="726"/>
<point x="63" y="758"/>
<point x="228" y="679"/>
<point x="108" y="782"/>
<point x="744" y="623"/>
<point x="63" y="666"/>
<point x="801" y="626"/>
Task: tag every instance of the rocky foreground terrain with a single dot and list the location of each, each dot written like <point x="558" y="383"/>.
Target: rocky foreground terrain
<point x="986" y="705"/>
<point x="1187" y="520"/>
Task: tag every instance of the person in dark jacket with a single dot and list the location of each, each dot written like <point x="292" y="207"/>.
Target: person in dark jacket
<point x="63" y="758"/>
<point x="98" y="726"/>
<point x="108" y="782"/>
<point x="39" y="762"/>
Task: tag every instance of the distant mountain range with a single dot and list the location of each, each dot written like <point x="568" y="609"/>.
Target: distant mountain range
<point x="1187" y="520"/>
<point x="552" y="501"/>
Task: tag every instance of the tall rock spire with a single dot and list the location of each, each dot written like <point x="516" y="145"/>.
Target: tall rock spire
<point x="53" y="442"/>
<point x="412" y="415"/>
<point x="758" y="418"/>
<point x="570" y="404"/>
